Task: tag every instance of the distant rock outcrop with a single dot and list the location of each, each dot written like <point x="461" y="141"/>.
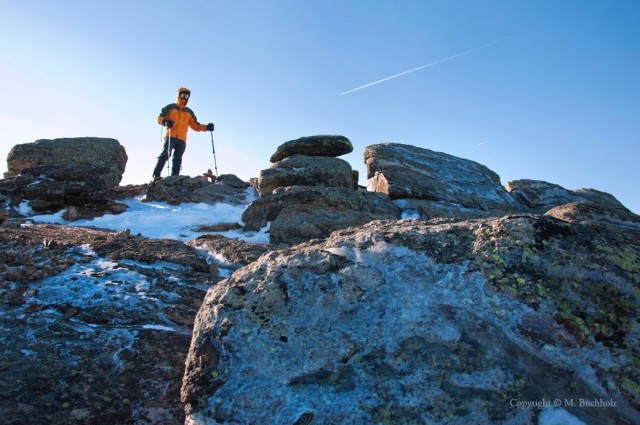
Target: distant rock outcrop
<point x="53" y="174"/>
<point x="591" y="213"/>
<point x="176" y="190"/>
<point x="438" y="183"/>
<point x="539" y="196"/>
<point x="426" y="322"/>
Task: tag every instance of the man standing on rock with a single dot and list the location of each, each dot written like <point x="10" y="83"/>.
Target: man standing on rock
<point x="176" y="118"/>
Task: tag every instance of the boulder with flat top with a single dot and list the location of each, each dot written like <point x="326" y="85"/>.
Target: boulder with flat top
<point x="53" y="174"/>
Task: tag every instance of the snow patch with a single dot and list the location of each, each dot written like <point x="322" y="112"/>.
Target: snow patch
<point x="159" y="328"/>
<point x="25" y="209"/>
<point x="98" y="283"/>
<point x="159" y="220"/>
<point x="406" y="210"/>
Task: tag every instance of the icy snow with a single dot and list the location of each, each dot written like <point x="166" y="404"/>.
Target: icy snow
<point x="24" y="208"/>
<point x="159" y="328"/>
<point x="159" y="220"/>
<point x="98" y="283"/>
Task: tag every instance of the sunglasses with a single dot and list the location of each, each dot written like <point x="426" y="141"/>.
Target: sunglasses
<point x="184" y="95"/>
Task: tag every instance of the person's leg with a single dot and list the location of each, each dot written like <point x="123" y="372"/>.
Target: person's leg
<point x="178" y="149"/>
<point x="162" y="159"/>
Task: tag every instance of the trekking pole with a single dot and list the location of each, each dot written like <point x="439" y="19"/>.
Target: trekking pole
<point x="215" y="163"/>
<point x="168" y="152"/>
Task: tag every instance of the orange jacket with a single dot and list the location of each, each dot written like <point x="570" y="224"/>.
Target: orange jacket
<point x="181" y="116"/>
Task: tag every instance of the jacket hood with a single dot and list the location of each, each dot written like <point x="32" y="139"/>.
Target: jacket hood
<point x="182" y="102"/>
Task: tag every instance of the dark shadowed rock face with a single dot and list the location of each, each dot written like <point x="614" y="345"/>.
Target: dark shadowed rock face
<point x="304" y="170"/>
<point x="314" y="146"/>
<point x="409" y="172"/>
<point x="425" y="322"/>
<point x="94" y="325"/>
<point x="300" y="213"/>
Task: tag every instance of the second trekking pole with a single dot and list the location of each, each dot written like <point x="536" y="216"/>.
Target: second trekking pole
<point x="215" y="163"/>
<point x="168" y="152"/>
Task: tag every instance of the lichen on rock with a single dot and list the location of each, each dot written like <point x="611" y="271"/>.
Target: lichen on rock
<point x="409" y="320"/>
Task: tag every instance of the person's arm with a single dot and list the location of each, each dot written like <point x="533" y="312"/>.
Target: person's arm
<point x="162" y="118"/>
<point x="195" y="125"/>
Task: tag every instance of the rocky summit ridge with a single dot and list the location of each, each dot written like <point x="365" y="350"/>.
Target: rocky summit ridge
<point x="433" y="296"/>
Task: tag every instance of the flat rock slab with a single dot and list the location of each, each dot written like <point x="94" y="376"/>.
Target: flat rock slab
<point x="314" y="146"/>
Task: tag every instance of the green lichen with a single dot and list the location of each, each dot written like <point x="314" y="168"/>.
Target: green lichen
<point x="625" y="257"/>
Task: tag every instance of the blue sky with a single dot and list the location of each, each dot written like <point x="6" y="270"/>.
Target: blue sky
<point x="556" y="99"/>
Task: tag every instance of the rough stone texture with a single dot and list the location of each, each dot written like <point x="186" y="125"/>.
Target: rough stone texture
<point x="300" y="223"/>
<point x="176" y="190"/>
<point x="94" y="325"/>
<point x="94" y="150"/>
<point x="540" y="196"/>
<point x="53" y="174"/>
<point x="314" y="146"/>
<point x="303" y="170"/>
<point x="300" y="213"/>
<point x="587" y="212"/>
<point x="231" y="253"/>
<point x="49" y="188"/>
<point x="232" y="180"/>
<point x="435" y="209"/>
<point x="404" y="171"/>
<point x="425" y="322"/>
<point x="129" y="191"/>
<point x="220" y="227"/>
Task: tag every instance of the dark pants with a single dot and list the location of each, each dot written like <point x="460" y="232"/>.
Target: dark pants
<point x="177" y="149"/>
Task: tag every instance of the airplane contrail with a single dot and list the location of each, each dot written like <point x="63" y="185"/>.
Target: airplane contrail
<point x="448" y="58"/>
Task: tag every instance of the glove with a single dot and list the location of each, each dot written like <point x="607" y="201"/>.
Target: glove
<point x="210" y="127"/>
<point x="167" y="123"/>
